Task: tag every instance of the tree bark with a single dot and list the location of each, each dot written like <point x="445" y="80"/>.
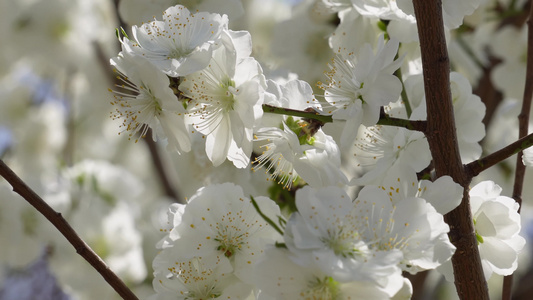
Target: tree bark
<point x="442" y="139"/>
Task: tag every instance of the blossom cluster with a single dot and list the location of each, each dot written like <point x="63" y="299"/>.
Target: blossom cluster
<point x="287" y="189"/>
<point x="333" y="245"/>
<point x="189" y="74"/>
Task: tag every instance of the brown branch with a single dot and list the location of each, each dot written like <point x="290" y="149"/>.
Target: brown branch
<point x="161" y="168"/>
<point x="384" y="119"/>
<point x="474" y="168"/>
<point x="64" y="227"/>
<point x="488" y="93"/>
<point x="418" y="282"/>
<point x="442" y="139"/>
<point x="297" y="113"/>
<point x="523" y="122"/>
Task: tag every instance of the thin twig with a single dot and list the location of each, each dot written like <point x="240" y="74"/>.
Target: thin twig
<point x="523" y="123"/>
<point x="441" y="135"/>
<point x="384" y="119"/>
<point x="474" y="168"/>
<point x="161" y="168"/>
<point x="297" y="113"/>
<point x="405" y="98"/>
<point x="64" y="227"/>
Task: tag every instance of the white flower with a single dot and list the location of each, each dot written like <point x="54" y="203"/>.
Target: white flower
<point x="385" y="147"/>
<point x="219" y="221"/>
<point x="353" y="32"/>
<point x="410" y="225"/>
<point x="180" y="44"/>
<point x="201" y="172"/>
<point x="401" y="25"/>
<point x="300" y="147"/>
<point x="468" y="110"/>
<point x="147" y="101"/>
<point x="281" y="149"/>
<point x="443" y="194"/>
<point x="384" y="9"/>
<point x="226" y="101"/>
<point x="497" y="225"/>
<point x="428" y="246"/>
<point x="294" y="152"/>
<point x="321" y="162"/>
<point x="343" y="240"/>
<point x="138" y="11"/>
<point x="177" y="278"/>
<point x="294" y="94"/>
<point x="174" y="217"/>
<point x="359" y="84"/>
<point x="453" y="11"/>
<point x="369" y="238"/>
<point x="278" y="277"/>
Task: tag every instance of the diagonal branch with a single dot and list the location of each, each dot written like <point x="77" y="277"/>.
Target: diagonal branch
<point x="297" y="113"/>
<point x="161" y="168"/>
<point x="474" y="168"/>
<point x="64" y="227"/>
<point x="384" y="119"/>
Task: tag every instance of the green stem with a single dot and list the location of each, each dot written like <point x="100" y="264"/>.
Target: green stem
<point x="474" y="168"/>
<point x="297" y="113"/>
<point x="265" y="217"/>
<point x="405" y="99"/>
<point x="384" y="119"/>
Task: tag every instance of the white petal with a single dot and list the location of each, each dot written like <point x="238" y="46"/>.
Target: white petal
<point x="218" y="143"/>
<point x="527" y="158"/>
<point x="444" y="194"/>
<point x="500" y="255"/>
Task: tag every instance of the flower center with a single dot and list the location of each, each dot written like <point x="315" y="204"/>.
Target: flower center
<point x="227" y="249"/>
<point x="147" y="103"/>
<point x="346" y="244"/>
<point x="326" y="288"/>
<point x="199" y="281"/>
<point x="177" y="53"/>
<point x="227" y="99"/>
<point x="300" y="128"/>
<point x="229" y="243"/>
